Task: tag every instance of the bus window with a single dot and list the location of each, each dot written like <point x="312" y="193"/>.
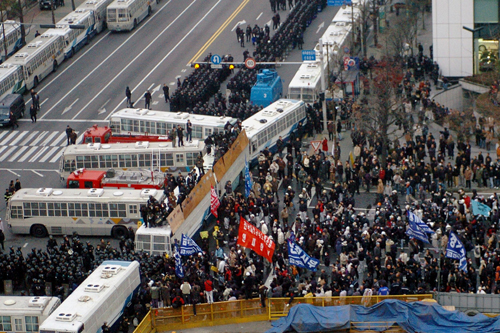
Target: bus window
<point x="74" y="184"/>
<point x="111" y="15"/>
<point x="88" y="139"/>
<point x="88" y="184"/>
<point x="122" y="15"/>
<point x="106" y="137"/>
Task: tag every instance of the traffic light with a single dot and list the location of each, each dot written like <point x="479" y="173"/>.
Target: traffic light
<point x="231" y="66"/>
<point x="196" y="66"/>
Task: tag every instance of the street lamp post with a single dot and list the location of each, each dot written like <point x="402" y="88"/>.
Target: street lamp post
<point x="323" y="83"/>
<point x="473" y="48"/>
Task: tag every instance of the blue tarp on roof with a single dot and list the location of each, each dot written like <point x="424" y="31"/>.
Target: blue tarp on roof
<point x="412" y="317"/>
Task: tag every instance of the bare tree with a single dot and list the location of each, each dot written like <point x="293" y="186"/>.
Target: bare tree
<point x="402" y="33"/>
<point x="364" y="23"/>
<point x="381" y="109"/>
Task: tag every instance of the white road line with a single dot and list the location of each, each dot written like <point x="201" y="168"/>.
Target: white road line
<point x="7" y="153"/>
<point x="169" y="53"/>
<point x="4" y="133"/>
<point x="7" y="139"/>
<point x="56" y="157"/>
<point x="40" y="137"/>
<point x="258" y="17"/>
<point x="41" y="170"/>
<point x="59" y="138"/>
<point x="31" y="151"/>
<point x="12" y="172"/>
<point x="28" y="139"/>
<point x="49" y="138"/>
<point x="80" y="138"/>
<point x="45" y="100"/>
<point x="37" y="173"/>
<point x="46" y="157"/>
<point x="19" y="137"/>
<point x="37" y="155"/>
<point x="65" y="120"/>
<point x="19" y="152"/>
<point x="3" y="148"/>
<point x="133" y="60"/>
<point x="25" y="244"/>
<point x="97" y="67"/>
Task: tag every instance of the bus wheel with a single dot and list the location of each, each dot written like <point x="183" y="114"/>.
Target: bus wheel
<point x="149" y="10"/>
<point x="54" y="66"/>
<point x="35" y="82"/>
<point x="135" y="24"/>
<point x="38" y="231"/>
<point x="119" y="231"/>
<point x="22" y="114"/>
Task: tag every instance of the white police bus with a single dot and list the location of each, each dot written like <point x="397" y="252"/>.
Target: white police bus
<point x="125" y="15"/>
<point x="12" y="41"/>
<point x="25" y="313"/>
<point x="101" y="298"/>
<point x="11" y="80"/>
<point x="99" y="8"/>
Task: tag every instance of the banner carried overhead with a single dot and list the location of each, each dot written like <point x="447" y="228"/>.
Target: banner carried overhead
<point x="251" y="237"/>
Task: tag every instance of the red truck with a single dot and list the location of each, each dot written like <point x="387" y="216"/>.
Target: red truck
<point x="82" y="178"/>
<point x="105" y="135"/>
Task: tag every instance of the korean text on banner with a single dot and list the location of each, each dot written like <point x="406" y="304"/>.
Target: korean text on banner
<point x="251" y="237"/>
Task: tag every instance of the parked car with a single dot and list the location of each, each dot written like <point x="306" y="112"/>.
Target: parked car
<point x="45" y="4"/>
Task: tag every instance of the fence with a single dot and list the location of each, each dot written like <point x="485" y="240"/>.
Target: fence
<point x="485" y="303"/>
<point x="241" y="311"/>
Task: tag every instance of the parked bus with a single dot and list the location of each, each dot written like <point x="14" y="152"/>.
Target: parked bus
<point x="93" y="212"/>
<point x="12" y="41"/>
<point x="139" y="156"/>
<point x="138" y="180"/>
<point x="101" y="298"/>
<point x="104" y="134"/>
<point x="306" y="84"/>
<point x="74" y="39"/>
<point x="265" y="127"/>
<point x="38" y="59"/>
<point x="143" y="121"/>
<point x="11" y="80"/>
<point x="21" y="314"/>
<point x="125" y="15"/>
<point x="99" y="9"/>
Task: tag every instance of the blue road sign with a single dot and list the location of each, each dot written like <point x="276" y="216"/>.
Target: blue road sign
<point x="339" y="2"/>
<point x="308" y="55"/>
<point x="346" y="50"/>
<point x="216" y="59"/>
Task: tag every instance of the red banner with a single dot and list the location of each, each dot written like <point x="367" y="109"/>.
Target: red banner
<point x="252" y="238"/>
<point x="214" y="203"/>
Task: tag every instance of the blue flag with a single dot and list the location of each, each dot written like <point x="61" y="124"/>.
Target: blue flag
<point x="421" y="224"/>
<point x="414" y="231"/>
<point x="248" y="180"/>
<point x="300" y="258"/>
<point x="479" y="208"/>
<point x="188" y="246"/>
<point x="456" y="250"/>
<point x="179" y="271"/>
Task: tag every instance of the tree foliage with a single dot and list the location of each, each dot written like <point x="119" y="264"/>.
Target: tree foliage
<point x="381" y="110"/>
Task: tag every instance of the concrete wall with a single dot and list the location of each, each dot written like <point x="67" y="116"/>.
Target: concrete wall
<point x="489" y="303"/>
<point x="451" y="43"/>
<point x="451" y="98"/>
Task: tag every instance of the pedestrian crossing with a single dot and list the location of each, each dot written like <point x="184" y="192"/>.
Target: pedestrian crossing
<point x="32" y="146"/>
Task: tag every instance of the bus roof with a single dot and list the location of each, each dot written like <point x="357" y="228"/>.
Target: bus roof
<point x="75" y="17"/>
<point x="104" y="282"/>
<point x="146" y="146"/>
<point x="121" y="3"/>
<point x="28" y="305"/>
<point x="70" y="194"/>
<point x="174" y="117"/>
<point x="10" y="26"/>
<point x="93" y="4"/>
<point x="33" y="48"/>
<point x="7" y="69"/>
<point x="269" y="115"/>
<point x="307" y="76"/>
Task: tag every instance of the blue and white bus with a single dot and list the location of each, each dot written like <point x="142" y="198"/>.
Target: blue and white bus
<point x="101" y="298"/>
<point x="12" y="42"/>
<point x="21" y="314"/>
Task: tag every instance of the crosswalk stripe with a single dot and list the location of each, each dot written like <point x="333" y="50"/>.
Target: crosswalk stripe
<point x="56" y="157"/>
<point x="49" y="138"/>
<point x="7" y="153"/>
<point x="46" y="157"/>
<point x="3" y="148"/>
<point x="19" y="137"/>
<point x="28" y="139"/>
<point x="59" y="138"/>
<point x="7" y="139"/>
<point x="19" y="152"/>
<point x="4" y="133"/>
<point x="40" y="137"/>
<point x="80" y="138"/>
<point x="28" y="154"/>
<point x="37" y="155"/>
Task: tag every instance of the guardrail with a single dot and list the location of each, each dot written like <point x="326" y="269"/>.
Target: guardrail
<point x="146" y="325"/>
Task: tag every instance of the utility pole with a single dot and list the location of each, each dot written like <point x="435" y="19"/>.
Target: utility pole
<point x="52" y="2"/>
<point x="3" y="33"/>
<point x="323" y="83"/>
<point x="21" y="20"/>
<point x="73" y="5"/>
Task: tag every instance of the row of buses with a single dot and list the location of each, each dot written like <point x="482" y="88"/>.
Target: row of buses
<point x="23" y="68"/>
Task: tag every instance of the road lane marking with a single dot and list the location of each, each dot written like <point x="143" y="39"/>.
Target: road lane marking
<point x="46" y="157"/>
<point x="25" y="244"/>
<point x="62" y="136"/>
<point x="19" y="137"/>
<point x="97" y="67"/>
<point x="40" y="137"/>
<point x="37" y="155"/>
<point x="7" y="153"/>
<point x="37" y="173"/>
<point x="12" y="172"/>
<point x="218" y="32"/>
<point x="45" y="100"/>
<point x="258" y="17"/>
<point x="25" y="156"/>
<point x="7" y="139"/>
<point x="19" y="152"/>
<point x="49" y="138"/>
<point x="133" y="60"/>
<point x="56" y="157"/>
<point x="66" y="109"/>
<point x="167" y="55"/>
<point x="28" y="139"/>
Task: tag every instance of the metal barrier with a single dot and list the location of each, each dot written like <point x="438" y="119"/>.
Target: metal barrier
<point x="484" y="303"/>
<point x="219" y="313"/>
<point x="279" y="307"/>
<point x="146" y="325"/>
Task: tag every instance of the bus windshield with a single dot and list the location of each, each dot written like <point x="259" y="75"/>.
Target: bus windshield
<point x="122" y="15"/>
<point x="111" y="15"/>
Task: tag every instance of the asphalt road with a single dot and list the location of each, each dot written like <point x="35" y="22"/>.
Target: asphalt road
<point x="86" y="89"/>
